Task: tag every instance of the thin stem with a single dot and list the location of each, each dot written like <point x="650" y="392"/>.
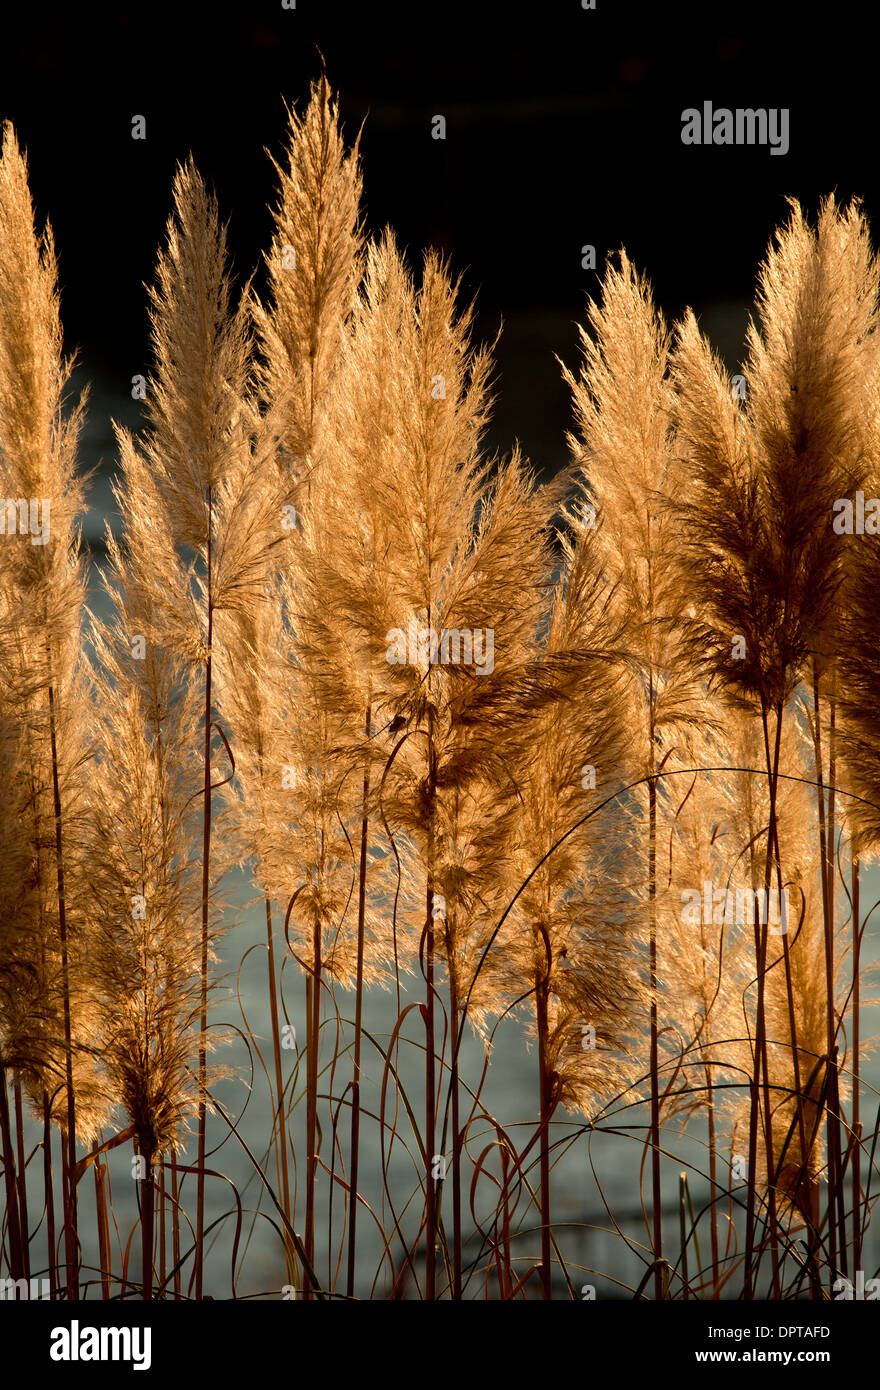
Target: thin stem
<point x="22" y="1180"/>
<point x="313" y="1009"/>
<point x="760" y="1056"/>
<point x="148" y="1197"/>
<point x="12" y="1207"/>
<point x="828" y="916"/>
<point x="358" y="1021"/>
<point x="713" y="1212"/>
<point x="206" y="884"/>
<point x="70" y="1217"/>
<point x="856" y="1075"/>
<point x="102" y="1227"/>
<point x="456" y="1122"/>
<point x="836" y="1118"/>
<point x="430" y="1081"/>
<point x="763" y="931"/>
<point x="654" y="1136"/>
<point x="162" y="1251"/>
<point x="808" y="1200"/>
<point x="280" y="1117"/>
<point x="49" y="1194"/>
<point x="542" y="990"/>
<point x="175" y="1221"/>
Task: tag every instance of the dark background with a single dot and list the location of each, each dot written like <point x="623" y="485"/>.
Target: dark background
<point x="563" y="128"/>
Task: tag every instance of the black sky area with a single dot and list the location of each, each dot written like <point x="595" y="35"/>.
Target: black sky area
<point x="563" y="128"/>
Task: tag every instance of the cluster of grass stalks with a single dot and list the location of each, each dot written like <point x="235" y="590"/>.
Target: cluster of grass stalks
<point x="479" y="743"/>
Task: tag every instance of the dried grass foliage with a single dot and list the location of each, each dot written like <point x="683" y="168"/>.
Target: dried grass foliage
<point x="354" y="398"/>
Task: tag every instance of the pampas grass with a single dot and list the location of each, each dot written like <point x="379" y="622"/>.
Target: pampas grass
<point x="476" y="742"/>
<point x="210" y="468"/>
<point x="44" y="603"/>
<point x="622" y="402"/>
<point x="144" y="865"/>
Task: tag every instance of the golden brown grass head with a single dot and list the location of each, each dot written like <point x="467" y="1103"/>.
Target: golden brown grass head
<point x="312" y="270"/>
<point x="203" y="478"/>
<point x="858" y="731"/>
<point x="201" y="346"/>
<point x="704" y="954"/>
<point x="578" y="921"/>
<point x="623" y="403"/>
<point x="760" y="558"/>
<point x="144" y="872"/>
<point x="44" y="690"/>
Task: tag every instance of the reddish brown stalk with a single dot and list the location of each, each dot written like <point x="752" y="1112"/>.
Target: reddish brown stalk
<point x="542" y="994"/>
<point x="430" y="1081"/>
<point x="856" y="1041"/>
<point x="162" y="1254"/>
<point x="808" y="1203"/>
<point x="654" y="1135"/>
<point x="280" y="1116"/>
<point x="13" y="1214"/>
<point x="505" y="1280"/>
<point x="313" y="1013"/>
<point x="49" y="1195"/>
<point x="22" y="1181"/>
<point x="761" y="1062"/>
<point x="206" y="883"/>
<point x="772" y="1219"/>
<point x="310" y="1047"/>
<point x="148" y="1201"/>
<point x="358" y="1024"/>
<point x="66" y="1181"/>
<point x="430" y="1133"/>
<point x="713" y="1214"/>
<point x="840" y="1160"/>
<point x="754" y="1085"/>
<point x="70" y="1218"/>
<point x="103" y="1228"/>
<point x="654" y="1057"/>
<point x="827" y="867"/>
<point x="175" y="1222"/>
<point x="456" y="1124"/>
